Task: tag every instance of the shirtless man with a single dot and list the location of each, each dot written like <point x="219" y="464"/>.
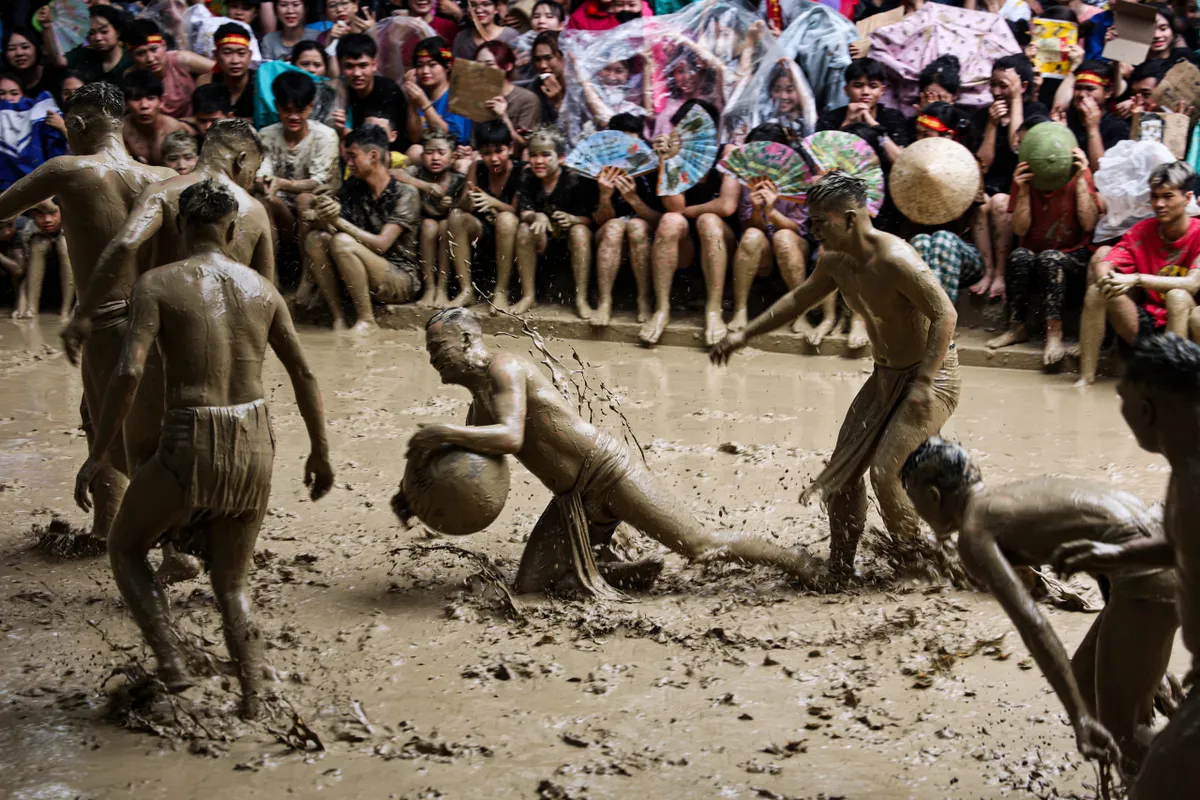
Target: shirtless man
<point x="207" y="486"/>
<point x="147" y="125"/>
<point x="1160" y="400"/>
<point x="915" y="385"/>
<point x="597" y="484"/>
<point x="95" y="190"/>
<point x="1109" y="685"/>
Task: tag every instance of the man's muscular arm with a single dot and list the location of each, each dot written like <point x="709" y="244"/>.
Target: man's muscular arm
<point x="34" y="187"/>
<point x="263" y="259"/>
<point x="1089" y="556"/>
<point x="917" y="282"/>
<point x="505" y="437"/>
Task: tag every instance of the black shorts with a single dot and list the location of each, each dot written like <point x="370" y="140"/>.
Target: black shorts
<point x="1146" y="327"/>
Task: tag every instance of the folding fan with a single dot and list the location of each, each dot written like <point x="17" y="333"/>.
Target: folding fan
<point x="697" y="137"/>
<point x="611" y="149"/>
<point x="789" y="170"/>
<point x="840" y="150"/>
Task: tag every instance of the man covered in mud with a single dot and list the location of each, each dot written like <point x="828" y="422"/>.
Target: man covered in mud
<point x="915" y="384"/>
<point x="1160" y="400"/>
<point x="95" y="188"/>
<point x="597" y="483"/>
<point x="1109" y="685"/>
<point x="207" y="486"/>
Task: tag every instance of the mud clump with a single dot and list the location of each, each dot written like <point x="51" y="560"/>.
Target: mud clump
<point x="60" y="539"/>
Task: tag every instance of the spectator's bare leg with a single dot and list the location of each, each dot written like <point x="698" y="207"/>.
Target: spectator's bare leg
<point x="672" y="249"/>
<point x="306" y="293"/>
<point x="611" y="245"/>
<point x="463" y="231"/>
<point x="1091" y="321"/>
<point x="442" y="299"/>
<point x="346" y="256"/>
<point x="429" y="276"/>
<point x="39" y="251"/>
<point x="318" y="245"/>
<point x="716" y="241"/>
<point x="1194" y="325"/>
<point x="981" y="235"/>
<point x="65" y="276"/>
<point x="506" y="243"/>
<point x="752" y="252"/>
<point x="1180" y="305"/>
<point x="1002" y="239"/>
<point x="528" y="248"/>
<point x="639" y="233"/>
<point x="579" y="242"/>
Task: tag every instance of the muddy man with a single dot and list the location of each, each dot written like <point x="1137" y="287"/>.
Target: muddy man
<point x="915" y="385"/>
<point x="1160" y="400"/>
<point x="597" y="483"/>
<point x="206" y="488"/>
<point x="95" y="190"/>
<point x="1109" y="685"/>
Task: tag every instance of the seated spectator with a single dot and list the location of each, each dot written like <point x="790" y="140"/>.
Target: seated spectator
<point x="32" y="131"/>
<point x="180" y="152"/>
<point x="277" y="45"/>
<point x="939" y="82"/>
<point x="789" y="99"/>
<point x="547" y="60"/>
<point x="441" y="188"/>
<point x="301" y="156"/>
<point x="23" y="57"/>
<point x="517" y="107"/>
<point x="331" y="94"/>
<point x="244" y="11"/>
<point x="210" y="103"/>
<point x="1054" y="230"/>
<point x="145" y="124"/>
<point x="696" y="219"/>
<point x="368" y="236"/>
<point x="772" y="235"/>
<point x="426" y="11"/>
<point x="339" y="14"/>
<point x="368" y="90"/>
<point x="1140" y="90"/>
<point x="428" y="91"/>
<point x="233" y="68"/>
<point x="1148" y="282"/>
<point x="866" y="79"/>
<point x="13" y="263"/>
<point x="102" y="58"/>
<point x="176" y="69"/>
<point x="1095" y="127"/>
<point x="604" y="15"/>
<point x="47" y="245"/>
<point x="996" y="127"/>
<point x="547" y="15"/>
<point x="70" y="83"/>
<point x="610" y="94"/>
<point x="399" y="161"/>
<point x="487" y="25"/>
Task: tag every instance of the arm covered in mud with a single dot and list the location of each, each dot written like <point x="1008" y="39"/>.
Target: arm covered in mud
<point x="817" y="287"/>
<point x="318" y="473"/>
<point x="122" y="386"/>
<point x="984" y="559"/>
<point x="263" y="259"/>
<point x="1089" y="556"/>
<point x="504" y="437"/>
<point x="34" y="187"/>
<point x="917" y="282"/>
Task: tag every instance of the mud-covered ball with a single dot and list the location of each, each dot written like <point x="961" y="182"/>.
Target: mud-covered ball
<point x="1047" y="148"/>
<point x="455" y="491"/>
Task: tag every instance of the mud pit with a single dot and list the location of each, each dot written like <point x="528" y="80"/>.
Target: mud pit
<point x="421" y="682"/>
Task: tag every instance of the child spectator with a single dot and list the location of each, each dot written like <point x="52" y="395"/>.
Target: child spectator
<point x="233" y="61"/>
<point x="71" y="82"/>
<point x="180" y="152"/>
<point x="441" y="189"/>
<point x="210" y="103"/>
<point x="277" y="45"/>
<point x="628" y="212"/>
<point x="368" y="236"/>
<point x="368" y="90"/>
<point x="866" y="79"/>
<point x="145" y="124"/>
<point x="428" y="91"/>
<point x="487" y="18"/>
<point x="547" y="15"/>
<point x="14" y="264"/>
<point x="176" y="69"/>
<point x="47" y="238"/>
<point x="517" y="107"/>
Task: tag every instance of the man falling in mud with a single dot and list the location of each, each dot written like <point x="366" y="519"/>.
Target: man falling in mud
<point x="1160" y="400"/>
<point x="1121" y="662"/>
<point x="96" y="189"/>
<point x="915" y="385"/>
<point x="207" y="486"/>
<point x="597" y="484"/>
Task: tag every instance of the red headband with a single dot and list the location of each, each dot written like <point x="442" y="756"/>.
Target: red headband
<point x="154" y="38"/>
<point x="234" y="38"/>
<point x="934" y="124"/>
<point x="1092" y="78"/>
<point x="443" y="56"/>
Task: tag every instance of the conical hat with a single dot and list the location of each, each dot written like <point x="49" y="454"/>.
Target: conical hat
<point x="934" y="181"/>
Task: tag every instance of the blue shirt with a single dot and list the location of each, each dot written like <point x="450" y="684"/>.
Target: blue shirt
<point x="460" y="127"/>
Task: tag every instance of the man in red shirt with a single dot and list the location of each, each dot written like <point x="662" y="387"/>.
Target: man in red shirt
<point x="1148" y="282"/>
<point x="1055" y="229"/>
<point x="604" y="15"/>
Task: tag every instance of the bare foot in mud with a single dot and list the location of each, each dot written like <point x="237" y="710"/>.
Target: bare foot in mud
<point x="462" y="299"/>
<point x="982" y="286"/>
<point x="339" y="324"/>
<point x="1014" y="335"/>
<point x="858" y="338"/>
<point x="582" y="308"/>
<point x="175" y="677"/>
<point x="740" y="320"/>
<point x="1054" y="351"/>
<point x="714" y="328"/>
<point x="645" y="309"/>
<point x="428" y="299"/>
<point x="1084" y="383"/>
<point x="251" y="707"/>
<point x="800" y="326"/>
<point x="998" y="290"/>
<point x="441" y="299"/>
<point x="499" y="303"/>
<point x="524" y="306"/>
<point x="177" y="567"/>
<point x="364" y="326"/>
<point x="652" y="331"/>
<point x="602" y="316"/>
<point x="817" y="335"/>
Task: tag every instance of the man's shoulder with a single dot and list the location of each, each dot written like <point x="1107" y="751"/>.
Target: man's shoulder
<point x="322" y="133"/>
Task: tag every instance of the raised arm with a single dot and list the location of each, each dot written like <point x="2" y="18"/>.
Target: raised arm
<point x="318" y="473"/>
<point x="918" y="283"/>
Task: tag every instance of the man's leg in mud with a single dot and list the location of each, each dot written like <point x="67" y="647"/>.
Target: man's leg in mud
<point x="529" y="246"/>
<point x="320" y="265"/>
<point x="641" y="234"/>
<point x="65" y="276"/>
<point x="610" y="246"/>
<point x="1173" y="762"/>
<point x="463" y="231"/>
<point x="643" y="502"/>
<point x="39" y="252"/>
<point x="430" y="279"/>
<point x="1180" y="305"/>
<point x="101" y="352"/>
<point x="579" y="242"/>
<point x="442" y="300"/>
<point x="348" y="256"/>
<point x="154" y="504"/>
<point x="1133" y="649"/>
<point x="506" y="243"/>
<point x="231" y="544"/>
<point x="672" y="250"/>
<point x="716" y="243"/>
<point x="752" y="251"/>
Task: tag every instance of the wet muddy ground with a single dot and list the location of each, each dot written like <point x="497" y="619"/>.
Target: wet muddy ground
<point x="421" y="680"/>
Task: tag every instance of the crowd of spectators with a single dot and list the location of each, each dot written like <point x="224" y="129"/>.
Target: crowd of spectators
<point x="384" y="191"/>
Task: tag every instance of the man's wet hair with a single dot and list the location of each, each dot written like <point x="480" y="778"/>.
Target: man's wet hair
<point x="367" y="137"/>
<point x="1165" y="362"/>
<point x="434" y="135"/>
<point x="206" y="203"/>
<point x="178" y="142"/>
<point x="548" y="134"/>
<point x="236" y="134"/>
<point x="141" y="83"/>
<point x="945" y="466"/>
<point x="1177" y="175"/>
<point x="838" y="189"/>
<point x="463" y="317"/>
<point x="101" y="97"/>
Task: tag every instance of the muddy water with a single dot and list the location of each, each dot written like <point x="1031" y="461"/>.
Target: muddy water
<point x="723" y="683"/>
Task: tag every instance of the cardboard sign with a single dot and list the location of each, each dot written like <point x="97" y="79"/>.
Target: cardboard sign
<point x="471" y="85"/>
<point x="1134" y="24"/>
<point x="1052" y="38"/>
<point x="873" y="23"/>
<point x="1181" y="85"/>
<point x="1162" y="126"/>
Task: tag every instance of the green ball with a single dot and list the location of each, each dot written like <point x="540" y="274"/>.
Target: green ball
<point x="1047" y="147"/>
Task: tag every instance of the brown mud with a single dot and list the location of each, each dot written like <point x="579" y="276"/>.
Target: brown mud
<point x="406" y="670"/>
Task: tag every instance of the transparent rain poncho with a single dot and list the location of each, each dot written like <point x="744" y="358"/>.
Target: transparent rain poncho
<point x="818" y="40"/>
<point x="1121" y="181"/>
<point x="778" y="93"/>
<point x="397" y="38"/>
<point x="708" y="51"/>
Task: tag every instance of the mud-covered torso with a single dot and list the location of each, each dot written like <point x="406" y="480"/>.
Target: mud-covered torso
<point x="1180" y="531"/>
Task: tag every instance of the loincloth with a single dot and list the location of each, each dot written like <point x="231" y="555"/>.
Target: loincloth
<point x="870" y="414"/>
<point x="585" y="509"/>
<point x="110" y="315"/>
<point x="221" y="457"/>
